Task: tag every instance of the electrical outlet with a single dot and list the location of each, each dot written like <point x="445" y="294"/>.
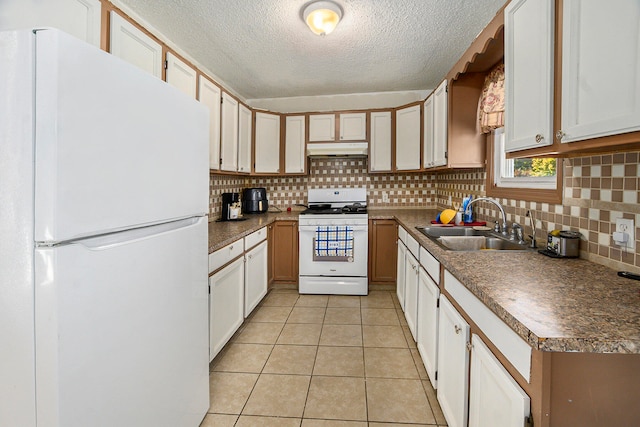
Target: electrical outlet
<point x="624" y="225"/>
<point x="385" y="197"/>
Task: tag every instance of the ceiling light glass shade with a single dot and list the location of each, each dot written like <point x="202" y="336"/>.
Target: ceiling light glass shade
<point x="322" y="17"/>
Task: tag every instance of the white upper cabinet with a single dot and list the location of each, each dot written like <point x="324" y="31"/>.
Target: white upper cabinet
<point x="131" y="44"/>
<point x="80" y="18"/>
<point x="210" y="96"/>
<point x="353" y="127"/>
<point x="427" y="141"/>
<point x="380" y="143"/>
<point x="267" y="143"/>
<point x="322" y="127"/>
<point x="529" y="36"/>
<point x="180" y="75"/>
<point x="229" y="134"/>
<point x="408" y="138"/>
<point x="244" y="139"/>
<point x="600" y="68"/>
<point x="295" y="157"/>
<point x="440" y="123"/>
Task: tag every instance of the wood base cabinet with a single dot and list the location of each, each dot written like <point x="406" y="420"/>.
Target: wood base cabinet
<point x="382" y="251"/>
<point x="226" y="305"/>
<point x="284" y="252"/>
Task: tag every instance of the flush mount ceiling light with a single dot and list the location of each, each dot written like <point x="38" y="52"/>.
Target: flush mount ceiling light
<point x="322" y="17"/>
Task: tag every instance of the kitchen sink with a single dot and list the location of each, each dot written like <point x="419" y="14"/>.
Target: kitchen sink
<point x="469" y="239"/>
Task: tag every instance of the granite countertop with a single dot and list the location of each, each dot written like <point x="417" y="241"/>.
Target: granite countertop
<point x="553" y="304"/>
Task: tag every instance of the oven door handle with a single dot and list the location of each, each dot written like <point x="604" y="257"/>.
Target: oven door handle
<point x="314" y="227"/>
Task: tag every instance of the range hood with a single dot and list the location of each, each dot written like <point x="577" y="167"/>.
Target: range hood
<point x="337" y="149"/>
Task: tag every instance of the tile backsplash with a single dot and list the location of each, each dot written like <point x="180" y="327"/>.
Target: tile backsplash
<point x="597" y="190"/>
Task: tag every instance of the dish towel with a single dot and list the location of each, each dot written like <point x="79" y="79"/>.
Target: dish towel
<point x="334" y="241"/>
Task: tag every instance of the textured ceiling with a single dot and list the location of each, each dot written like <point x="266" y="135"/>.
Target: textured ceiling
<point x="263" y="49"/>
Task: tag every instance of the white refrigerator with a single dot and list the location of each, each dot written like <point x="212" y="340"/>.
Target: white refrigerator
<point x="104" y="183"/>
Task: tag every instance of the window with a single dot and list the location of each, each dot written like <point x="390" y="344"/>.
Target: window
<point x="534" y="179"/>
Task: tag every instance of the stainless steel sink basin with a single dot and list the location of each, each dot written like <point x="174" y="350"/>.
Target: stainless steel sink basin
<point x="468" y="239"/>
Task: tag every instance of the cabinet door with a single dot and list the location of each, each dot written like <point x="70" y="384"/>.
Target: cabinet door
<point x="495" y="398"/>
<point x="285" y="254"/>
<point x="322" y="127"/>
<point x="131" y="44"/>
<point x="428" y="138"/>
<point x="255" y="277"/>
<point x="380" y="143"/>
<point x="528" y="63"/>
<point x="440" y="121"/>
<point x="427" y="340"/>
<point x="408" y="138"/>
<point x="600" y="68"/>
<point x="229" y="134"/>
<point x="180" y="75"/>
<point x="411" y="270"/>
<point x="210" y="96"/>
<point x="244" y="139"/>
<point x="353" y="127"/>
<point x="400" y="278"/>
<point x="226" y="305"/>
<point x="382" y="251"/>
<point x="267" y="143"/>
<point x="453" y="364"/>
<point x="295" y="157"/>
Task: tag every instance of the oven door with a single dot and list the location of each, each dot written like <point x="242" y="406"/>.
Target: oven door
<point x="319" y="257"/>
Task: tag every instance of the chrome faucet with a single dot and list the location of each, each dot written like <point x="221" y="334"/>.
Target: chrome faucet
<point x="517" y="233"/>
<point x="532" y="218"/>
<point x="503" y="228"/>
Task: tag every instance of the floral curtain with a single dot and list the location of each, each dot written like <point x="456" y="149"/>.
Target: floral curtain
<point x="491" y="105"/>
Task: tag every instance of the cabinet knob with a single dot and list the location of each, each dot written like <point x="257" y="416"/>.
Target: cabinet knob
<point x="539" y="137"/>
<point x="231" y="247"/>
<point x="560" y="135"/>
<point x="457" y="329"/>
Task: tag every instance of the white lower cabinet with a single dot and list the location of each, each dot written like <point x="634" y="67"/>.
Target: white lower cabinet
<point x="411" y="270"/>
<point x="427" y="339"/>
<point x="400" y="280"/>
<point x="453" y="364"/>
<point x="495" y="398"/>
<point x="226" y="305"/>
<point x="255" y="277"/>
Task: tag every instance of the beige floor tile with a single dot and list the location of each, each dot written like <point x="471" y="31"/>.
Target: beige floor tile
<point x="306" y="315"/>
<point x="332" y="423"/>
<point x="408" y="337"/>
<point x="219" y="420"/>
<point x="341" y="335"/>
<point x="238" y="357"/>
<point x="389" y="363"/>
<point x="417" y="359"/>
<point x="343" y="316"/>
<point x="344" y="301"/>
<point x="433" y="401"/>
<point x="291" y="359"/>
<point x="280" y="299"/>
<point x="398" y="401"/>
<point x="395" y="425"/>
<point x="401" y="318"/>
<point x="300" y="334"/>
<point x="312" y="301"/>
<point x="271" y="314"/>
<point x="339" y="362"/>
<point x="380" y="316"/>
<point x="253" y="421"/>
<point x="278" y="396"/>
<point x="383" y="336"/>
<point x="377" y="299"/>
<point x="228" y="392"/>
<point x="259" y="333"/>
<point x="339" y="398"/>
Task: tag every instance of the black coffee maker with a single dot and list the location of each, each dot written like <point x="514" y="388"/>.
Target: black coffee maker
<point x="230" y="206"/>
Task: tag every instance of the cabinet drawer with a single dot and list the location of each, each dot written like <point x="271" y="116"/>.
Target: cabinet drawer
<point x="430" y="264"/>
<point x="402" y="234"/>
<point x="413" y="246"/>
<point x="222" y="256"/>
<point x="514" y="348"/>
<point x="254" y="238"/>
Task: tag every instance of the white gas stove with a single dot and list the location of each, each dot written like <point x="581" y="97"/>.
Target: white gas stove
<point x="334" y="242"/>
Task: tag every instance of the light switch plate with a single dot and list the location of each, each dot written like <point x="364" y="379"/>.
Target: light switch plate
<point x="624" y="225"/>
